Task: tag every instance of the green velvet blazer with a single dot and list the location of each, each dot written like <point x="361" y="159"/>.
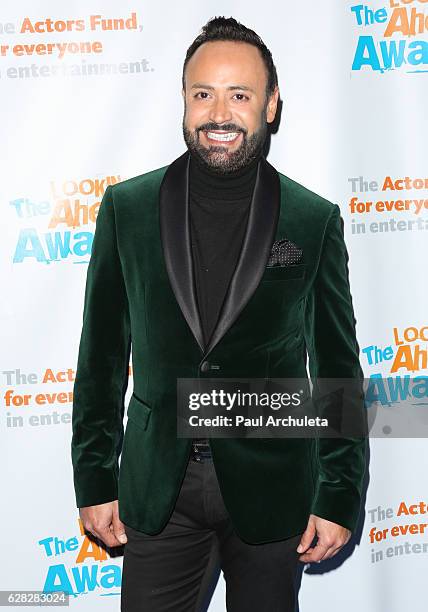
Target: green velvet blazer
<point x="140" y="289"/>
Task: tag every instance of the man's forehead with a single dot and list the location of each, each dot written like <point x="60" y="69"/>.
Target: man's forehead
<point x="225" y="61"/>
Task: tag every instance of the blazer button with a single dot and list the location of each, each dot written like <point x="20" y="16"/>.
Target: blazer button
<point x="205" y="366"/>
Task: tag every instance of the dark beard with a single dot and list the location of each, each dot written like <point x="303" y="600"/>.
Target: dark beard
<point x="250" y="148"/>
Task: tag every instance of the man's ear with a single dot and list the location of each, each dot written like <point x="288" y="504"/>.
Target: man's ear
<point x="272" y="105"/>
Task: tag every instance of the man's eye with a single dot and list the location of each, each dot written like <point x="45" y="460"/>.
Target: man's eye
<point x="241" y="97"/>
<point x="202" y="94"/>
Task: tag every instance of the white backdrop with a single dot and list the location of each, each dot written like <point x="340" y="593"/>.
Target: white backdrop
<point x="353" y="81"/>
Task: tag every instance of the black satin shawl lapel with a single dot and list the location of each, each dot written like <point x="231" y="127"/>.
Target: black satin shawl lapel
<point x="175" y="236"/>
<point x="259" y="236"/>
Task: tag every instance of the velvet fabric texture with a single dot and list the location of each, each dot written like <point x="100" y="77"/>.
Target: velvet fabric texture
<point x="140" y="290"/>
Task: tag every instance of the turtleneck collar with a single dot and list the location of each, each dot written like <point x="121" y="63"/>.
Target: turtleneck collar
<point x="231" y="186"/>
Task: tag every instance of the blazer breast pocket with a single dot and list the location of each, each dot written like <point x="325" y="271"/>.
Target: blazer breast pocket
<point x="139" y="412"/>
<point x="284" y="273"/>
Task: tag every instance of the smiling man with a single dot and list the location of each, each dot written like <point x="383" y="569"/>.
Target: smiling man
<point x="225" y="121"/>
<point x="216" y="265"/>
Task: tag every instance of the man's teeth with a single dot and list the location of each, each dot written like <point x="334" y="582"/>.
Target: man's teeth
<point x="222" y="137"/>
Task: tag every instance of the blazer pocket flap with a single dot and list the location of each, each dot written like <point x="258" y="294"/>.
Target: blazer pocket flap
<point x="139" y="412"/>
<point x="284" y="272"/>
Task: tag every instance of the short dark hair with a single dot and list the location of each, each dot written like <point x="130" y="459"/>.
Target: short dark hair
<point x="223" y="28"/>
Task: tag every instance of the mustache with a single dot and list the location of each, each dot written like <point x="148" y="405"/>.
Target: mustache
<point x="228" y="127"/>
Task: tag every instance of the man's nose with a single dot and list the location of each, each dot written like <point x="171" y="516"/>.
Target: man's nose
<point x="220" y="111"/>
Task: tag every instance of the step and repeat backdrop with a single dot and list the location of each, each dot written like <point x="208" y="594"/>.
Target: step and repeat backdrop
<point x="90" y="95"/>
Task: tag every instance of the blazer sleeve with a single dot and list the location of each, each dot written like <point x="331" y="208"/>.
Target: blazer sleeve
<point x="102" y="368"/>
<point x="333" y="351"/>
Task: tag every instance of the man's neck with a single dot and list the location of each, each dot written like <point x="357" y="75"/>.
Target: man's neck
<point x="205" y="182"/>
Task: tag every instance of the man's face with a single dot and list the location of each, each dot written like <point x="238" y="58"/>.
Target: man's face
<point x="225" y="107"/>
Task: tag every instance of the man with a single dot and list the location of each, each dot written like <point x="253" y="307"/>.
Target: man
<point x="181" y="266"/>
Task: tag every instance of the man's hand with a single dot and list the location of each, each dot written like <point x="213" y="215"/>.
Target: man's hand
<point x="331" y="538"/>
<point x="103" y="522"/>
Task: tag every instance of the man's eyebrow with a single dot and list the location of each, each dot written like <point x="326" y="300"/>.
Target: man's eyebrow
<point x="230" y="88"/>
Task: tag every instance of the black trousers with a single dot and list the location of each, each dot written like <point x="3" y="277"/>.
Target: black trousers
<point x="177" y="569"/>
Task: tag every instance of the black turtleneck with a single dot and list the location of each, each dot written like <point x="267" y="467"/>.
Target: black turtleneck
<point x="219" y="207"/>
